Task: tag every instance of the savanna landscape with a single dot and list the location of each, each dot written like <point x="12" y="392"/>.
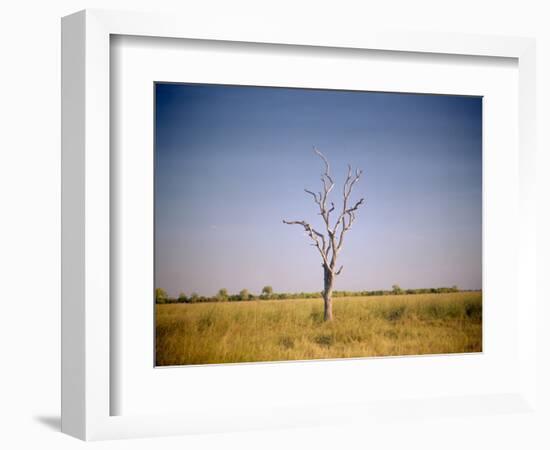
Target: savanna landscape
<point x="243" y="198"/>
<point x="282" y="330"/>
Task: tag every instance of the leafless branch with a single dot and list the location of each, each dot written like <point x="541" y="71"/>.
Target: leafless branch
<point x="314" y="195"/>
<point x="347" y="212"/>
<point x="327" y="166"/>
<point x="318" y="238"/>
<point x="330" y="245"/>
<point x="328" y="185"/>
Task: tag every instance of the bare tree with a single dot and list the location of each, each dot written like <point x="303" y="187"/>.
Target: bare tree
<point x="329" y="245"/>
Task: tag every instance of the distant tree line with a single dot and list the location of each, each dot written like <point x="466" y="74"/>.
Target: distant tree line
<point x="268" y="294"/>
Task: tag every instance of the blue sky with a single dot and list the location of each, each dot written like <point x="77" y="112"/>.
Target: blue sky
<point x="232" y="162"/>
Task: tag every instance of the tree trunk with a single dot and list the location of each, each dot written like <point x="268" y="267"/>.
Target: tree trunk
<point x="327" y="293"/>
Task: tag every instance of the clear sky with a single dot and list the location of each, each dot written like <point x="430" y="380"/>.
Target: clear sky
<point x="232" y="162"/>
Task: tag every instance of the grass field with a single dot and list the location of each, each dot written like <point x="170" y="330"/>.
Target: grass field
<point x="276" y="330"/>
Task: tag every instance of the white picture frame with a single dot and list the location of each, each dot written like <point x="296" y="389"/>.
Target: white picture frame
<point x="86" y="220"/>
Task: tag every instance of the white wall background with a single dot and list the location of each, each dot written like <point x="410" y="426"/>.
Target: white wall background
<point x="29" y="223"/>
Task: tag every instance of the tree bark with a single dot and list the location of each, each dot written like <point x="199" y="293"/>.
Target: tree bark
<point x="327" y="293"/>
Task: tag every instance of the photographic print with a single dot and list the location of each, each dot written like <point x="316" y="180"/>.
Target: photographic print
<point x="304" y="224"/>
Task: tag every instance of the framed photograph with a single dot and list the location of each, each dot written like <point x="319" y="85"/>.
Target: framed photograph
<point x="283" y="212"/>
<point x="232" y="284"/>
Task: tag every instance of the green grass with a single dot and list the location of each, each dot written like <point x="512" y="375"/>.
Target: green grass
<point x="278" y="330"/>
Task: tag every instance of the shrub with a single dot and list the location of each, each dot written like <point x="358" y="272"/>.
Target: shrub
<point x="267" y="292"/>
<point x="324" y="340"/>
<point x="160" y="295"/>
<point x="473" y="310"/>
<point x="396" y="289"/>
<point x="395" y="313"/>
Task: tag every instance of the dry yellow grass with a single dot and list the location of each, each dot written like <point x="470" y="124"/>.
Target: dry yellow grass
<point x="278" y="330"/>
